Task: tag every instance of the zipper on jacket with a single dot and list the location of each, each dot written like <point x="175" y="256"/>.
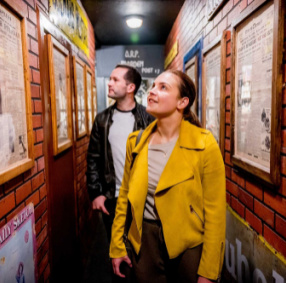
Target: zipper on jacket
<point x="193" y="211"/>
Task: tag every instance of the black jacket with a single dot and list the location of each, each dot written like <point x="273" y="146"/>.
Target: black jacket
<point x="100" y="170"/>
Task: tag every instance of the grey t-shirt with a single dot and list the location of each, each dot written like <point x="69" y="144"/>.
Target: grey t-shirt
<point x="158" y="155"/>
<point x="122" y="126"/>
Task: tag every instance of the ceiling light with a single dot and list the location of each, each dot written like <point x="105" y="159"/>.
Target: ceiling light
<point x="134" y="22"/>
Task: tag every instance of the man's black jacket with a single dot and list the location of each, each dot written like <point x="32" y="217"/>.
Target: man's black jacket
<point x="100" y="170"/>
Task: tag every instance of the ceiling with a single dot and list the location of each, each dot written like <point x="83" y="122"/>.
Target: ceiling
<point x="108" y="20"/>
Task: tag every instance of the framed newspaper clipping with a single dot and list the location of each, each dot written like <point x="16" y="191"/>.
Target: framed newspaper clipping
<point x="89" y="97"/>
<point x="16" y="130"/>
<point x="257" y="89"/>
<point x="94" y="103"/>
<point x="213" y="96"/>
<point x="80" y="98"/>
<point x="59" y="72"/>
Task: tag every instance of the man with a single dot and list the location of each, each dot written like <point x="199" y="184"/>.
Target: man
<point x="107" y="146"/>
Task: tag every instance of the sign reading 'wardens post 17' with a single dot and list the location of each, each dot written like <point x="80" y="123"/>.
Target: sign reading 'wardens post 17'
<point x="71" y="19"/>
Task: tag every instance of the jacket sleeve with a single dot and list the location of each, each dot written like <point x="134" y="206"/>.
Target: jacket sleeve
<point x="94" y="170"/>
<point x="213" y="183"/>
<point x="117" y="246"/>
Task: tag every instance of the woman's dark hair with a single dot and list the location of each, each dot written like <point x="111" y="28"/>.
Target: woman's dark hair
<point x="132" y="76"/>
<point x="187" y="89"/>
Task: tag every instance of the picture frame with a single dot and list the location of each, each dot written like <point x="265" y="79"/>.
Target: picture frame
<point x="89" y="97"/>
<point x="213" y="7"/>
<point x="213" y="91"/>
<point x="257" y="96"/>
<point x="94" y="103"/>
<point x="60" y="93"/>
<point x="80" y="97"/>
<point x="16" y="129"/>
<point x="192" y="63"/>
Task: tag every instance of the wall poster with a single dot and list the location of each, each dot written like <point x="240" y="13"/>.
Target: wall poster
<point x="94" y="103"/>
<point x="80" y="98"/>
<point x="18" y="248"/>
<point x="192" y="66"/>
<point x="59" y="72"/>
<point x="89" y="97"/>
<point x="257" y="89"/>
<point x="16" y="131"/>
<point x="213" y="118"/>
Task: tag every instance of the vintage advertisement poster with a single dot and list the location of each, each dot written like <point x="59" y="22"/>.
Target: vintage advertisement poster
<point x="213" y="64"/>
<point x="80" y="99"/>
<point x="61" y="96"/>
<point x="18" y="248"/>
<point x="142" y="93"/>
<point x="253" y="88"/>
<point x="69" y="17"/>
<point x="13" y="120"/>
<point x="191" y="72"/>
<point x="89" y="99"/>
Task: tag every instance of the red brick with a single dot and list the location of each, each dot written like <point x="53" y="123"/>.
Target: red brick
<point x="41" y="237"/>
<point x="228" y="48"/>
<point x="284" y="92"/>
<point x="284" y="117"/>
<point x="47" y="273"/>
<point x="37" y="121"/>
<point x="227" y="7"/>
<point x="39" y="135"/>
<point x="232" y="188"/>
<point x="41" y="163"/>
<point x="32" y="15"/>
<point x="31" y="2"/>
<point x="43" y="264"/>
<point x="243" y="5"/>
<point x="228" y="198"/>
<point x="28" y="174"/>
<point x="43" y="249"/>
<point x="17" y="210"/>
<point x="276" y="202"/>
<point x="38" y="226"/>
<point x="7" y="204"/>
<point x="38" y="180"/>
<point x="222" y="26"/>
<point x="38" y="106"/>
<point x="36" y="76"/>
<point x="31" y="30"/>
<point x="280" y="225"/>
<point x="237" y="206"/>
<point x="283" y="138"/>
<point x="228" y="74"/>
<point x="227" y="104"/>
<point x="34" y="46"/>
<point x="35" y="91"/>
<point x="283" y="165"/>
<point x="228" y="62"/>
<point x="43" y="191"/>
<point x="13" y="183"/>
<point x="34" y="198"/>
<point x="227" y="144"/>
<point x="264" y="213"/>
<point x="38" y="150"/>
<point x="40" y="209"/>
<point x="227" y="90"/>
<point x="237" y="179"/>
<point x="33" y="60"/>
<point x="227" y="158"/>
<point x="282" y="189"/>
<point x="227" y="171"/>
<point x="245" y="198"/>
<point x="254" y="221"/>
<point x="273" y="239"/>
<point x="44" y="219"/>
<point x="217" y="18"/>
<point x="23" y="191"/>
<point x="254" y="189"/>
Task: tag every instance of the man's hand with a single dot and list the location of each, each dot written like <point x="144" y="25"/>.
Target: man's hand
<point x="116" y="265"/>
<point x="98" y="204"/>
<point x="204" y="280"/>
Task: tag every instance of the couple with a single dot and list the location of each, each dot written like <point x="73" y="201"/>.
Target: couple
<point x="175" y="182"/>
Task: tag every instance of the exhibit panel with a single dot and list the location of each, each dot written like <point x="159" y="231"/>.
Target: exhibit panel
<point x="89" y="97"/>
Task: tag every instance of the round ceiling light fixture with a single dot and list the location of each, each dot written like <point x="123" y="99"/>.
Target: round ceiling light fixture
<point x="134" y="22"/>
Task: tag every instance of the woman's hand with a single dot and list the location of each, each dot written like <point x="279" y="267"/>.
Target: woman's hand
<point x="116" y="262"/>
<point x="204" y="280"/>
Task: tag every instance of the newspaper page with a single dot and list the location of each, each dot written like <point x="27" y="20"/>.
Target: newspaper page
<point x="191" y="72"/>
<point x="61" y="95"/>
<point x="18" y="248"/>
<point x="253" y="90"/>
<point x="89" y="100"/>
<point x="80" y="99"/>
<point x="213" y="64"/>
<point x="13" y="120"/>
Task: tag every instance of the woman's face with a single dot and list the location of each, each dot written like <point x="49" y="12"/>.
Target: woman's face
<point x="164" y="96"/>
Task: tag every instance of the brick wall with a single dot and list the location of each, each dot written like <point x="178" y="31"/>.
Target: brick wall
<point x="31" y="185"/>
<point x="264" y="209"/>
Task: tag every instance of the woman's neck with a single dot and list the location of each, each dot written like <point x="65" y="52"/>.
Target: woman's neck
<point x="166" y="130"/>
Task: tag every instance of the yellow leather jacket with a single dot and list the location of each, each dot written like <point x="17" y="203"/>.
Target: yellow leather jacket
<point x="190" y="197"/>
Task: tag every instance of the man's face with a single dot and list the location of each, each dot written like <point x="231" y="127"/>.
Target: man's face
<point x="117" y="86"/>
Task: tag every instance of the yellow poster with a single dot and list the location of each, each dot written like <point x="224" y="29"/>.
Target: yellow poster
<point x="71" y="19"/>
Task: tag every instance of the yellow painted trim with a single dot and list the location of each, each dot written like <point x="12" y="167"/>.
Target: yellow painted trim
<point x="171" y="55"/>
<point x="262" y="239"/>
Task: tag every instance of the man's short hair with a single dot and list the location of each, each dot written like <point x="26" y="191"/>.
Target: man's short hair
<point x="132" y="76"/>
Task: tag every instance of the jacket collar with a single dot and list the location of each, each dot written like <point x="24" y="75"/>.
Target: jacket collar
<point x="190" y="137"/>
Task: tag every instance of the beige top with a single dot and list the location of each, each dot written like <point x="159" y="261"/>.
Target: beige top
<point x="158" y="155"/>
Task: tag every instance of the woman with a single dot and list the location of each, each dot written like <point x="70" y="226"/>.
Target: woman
<point x="174" y="179"/>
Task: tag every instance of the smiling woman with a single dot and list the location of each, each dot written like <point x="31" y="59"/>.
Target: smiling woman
<point x="174" y="180"/>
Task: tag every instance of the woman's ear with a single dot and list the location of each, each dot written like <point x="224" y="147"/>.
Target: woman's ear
<point x="183" y="103"/>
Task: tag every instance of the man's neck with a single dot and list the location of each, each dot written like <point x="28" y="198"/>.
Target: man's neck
<point x="126" y="104"/>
